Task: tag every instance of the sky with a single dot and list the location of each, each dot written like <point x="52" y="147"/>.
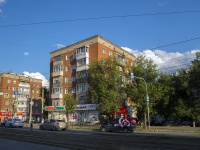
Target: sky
<point x="166" y="31"/>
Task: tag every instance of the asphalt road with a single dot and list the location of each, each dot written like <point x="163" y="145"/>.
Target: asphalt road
<point x="7" y="144"/>
<point x="89" y="140"/>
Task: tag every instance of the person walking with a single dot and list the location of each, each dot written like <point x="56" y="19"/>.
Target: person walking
<point x="4" y="122"/>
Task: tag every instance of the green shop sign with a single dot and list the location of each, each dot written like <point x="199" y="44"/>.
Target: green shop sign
<point x="59" y="108"/>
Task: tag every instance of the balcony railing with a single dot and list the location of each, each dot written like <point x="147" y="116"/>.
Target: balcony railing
<point x="60" y="73"/>
<point x="56" y="96"/>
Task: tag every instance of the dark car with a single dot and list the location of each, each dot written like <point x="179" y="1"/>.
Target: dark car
<point x="119" y="125"/>
<point x="168" y="123"/>
<point x="186" y="123"/>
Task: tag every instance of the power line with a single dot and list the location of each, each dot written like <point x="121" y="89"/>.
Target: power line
<point x="176" y="43"/>
<point x="97" y="18"/>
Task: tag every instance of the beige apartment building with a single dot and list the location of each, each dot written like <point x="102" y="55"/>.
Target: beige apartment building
<point x="16" y="93"/>
<point x="68" y="74"/>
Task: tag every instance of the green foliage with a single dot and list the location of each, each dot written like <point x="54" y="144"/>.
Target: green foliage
<point x="104" y="85"/>
<point x="70" y="103"/>
<point x="146" y="73"/>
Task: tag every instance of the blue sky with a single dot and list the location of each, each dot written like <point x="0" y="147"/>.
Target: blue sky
<point x="31" y="29"/>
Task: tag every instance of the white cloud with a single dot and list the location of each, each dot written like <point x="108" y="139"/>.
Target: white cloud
<point x="2" y="2"/>
<point x="60" y="45"/>
<point x="167" y="62"/>
<point x="37" y="75"/>
<point x="26" y="53"/>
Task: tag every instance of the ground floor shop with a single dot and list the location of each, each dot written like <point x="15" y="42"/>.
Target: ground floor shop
<point x="84" y="113"/>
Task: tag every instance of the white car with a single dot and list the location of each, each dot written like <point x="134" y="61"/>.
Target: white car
<point x="12" y="122"/>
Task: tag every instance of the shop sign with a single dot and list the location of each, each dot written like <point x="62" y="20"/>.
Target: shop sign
<point x="60" y="108"/>
<point x="6" y="95"/>
<point x="49" y="108"/>
<point x="86" y="107"/>
<point x="4" y="113"/>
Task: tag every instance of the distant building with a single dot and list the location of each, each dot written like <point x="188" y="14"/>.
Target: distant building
<point x="68" y="74"/>
<point x="16" y="92"/>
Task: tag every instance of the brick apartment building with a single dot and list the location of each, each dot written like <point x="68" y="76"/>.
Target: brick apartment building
<point x="68" y="74"/>
<point x="16" y="93"/>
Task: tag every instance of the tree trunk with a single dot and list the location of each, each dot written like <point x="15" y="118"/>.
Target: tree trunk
<point x="145" y="120"/>
<point x="193" y="123"/>
<point x="68" y="123"/>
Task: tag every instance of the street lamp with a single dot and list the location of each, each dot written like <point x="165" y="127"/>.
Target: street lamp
<point x="147" y="97"/>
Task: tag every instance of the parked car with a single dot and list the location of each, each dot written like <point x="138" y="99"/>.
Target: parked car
<point x="117" y="125"/>
<point x="197" y="123"/>
<point x="168" y="123"/>
<point x="53" y="124"/>
<point x="12" y="122"/>
<point x="186" y="123"/>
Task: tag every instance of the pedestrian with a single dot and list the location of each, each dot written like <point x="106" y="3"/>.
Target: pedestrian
<point x="4" y="122"/>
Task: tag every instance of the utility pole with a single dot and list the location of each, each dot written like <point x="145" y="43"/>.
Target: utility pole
<point x="42" y="117"/>
<point x="147" y="98"/>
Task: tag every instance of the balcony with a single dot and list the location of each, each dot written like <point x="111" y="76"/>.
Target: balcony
<point x="80" y="68"/>
<point x="59" y="73"/>
<point x="24" y="85"/>
<point x="56" y="96"/>
<point x="79" y="94"/>
<point x="60" y="62"/>
<point x="82" y="55"/>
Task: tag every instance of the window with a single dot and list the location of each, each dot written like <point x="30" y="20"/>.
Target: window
<point x="57" y="68"/>
<point x="66" y="79"/>
<point x="58" y="58"/>
<point x="56" y="80"/>
<point x="67" y="68"/>
<point x="81" y="62"/>
<point x="103" y="50"/>
<point x="73" y="78"/>
<point x="110" y="53"/>
<point x="66" y="91"/>
<point x="73" y="90"/>
<point x="14" y="81"/>
<point x="74" y="55"/>
<point x="81" y="87"/>
<point x="57" y="90"/>
<point x="8" y="81"/>
<point x="67" y="57"/>
<point x="74" y="66"/>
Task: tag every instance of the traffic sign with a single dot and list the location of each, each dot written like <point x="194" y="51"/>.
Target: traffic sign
<point x="15" y="102"/>
<point x="132" y="76"/>
<point x="16" y="93"/>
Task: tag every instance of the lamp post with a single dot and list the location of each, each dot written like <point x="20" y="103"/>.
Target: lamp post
<point x="147" y="97"/>
<point x="30" y="118"/>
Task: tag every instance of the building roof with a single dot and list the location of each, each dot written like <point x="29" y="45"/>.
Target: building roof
<point x="89" y="39"/>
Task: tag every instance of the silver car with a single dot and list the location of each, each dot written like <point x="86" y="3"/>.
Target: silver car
<point x="53" y="124"/>
<point x="12" y="122"/>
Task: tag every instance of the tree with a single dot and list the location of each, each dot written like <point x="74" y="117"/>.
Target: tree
<point x="145" y="69"/>
<point x="70" y="104"/>
<point x="194" y="85"/>
<point x="44" y="93"/>
<point x="104" y="85"/>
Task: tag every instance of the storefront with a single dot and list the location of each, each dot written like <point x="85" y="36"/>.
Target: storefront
<point x="85" y="113"/>
<point x="5" y="114"/>
<point x="56" y="112"/>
